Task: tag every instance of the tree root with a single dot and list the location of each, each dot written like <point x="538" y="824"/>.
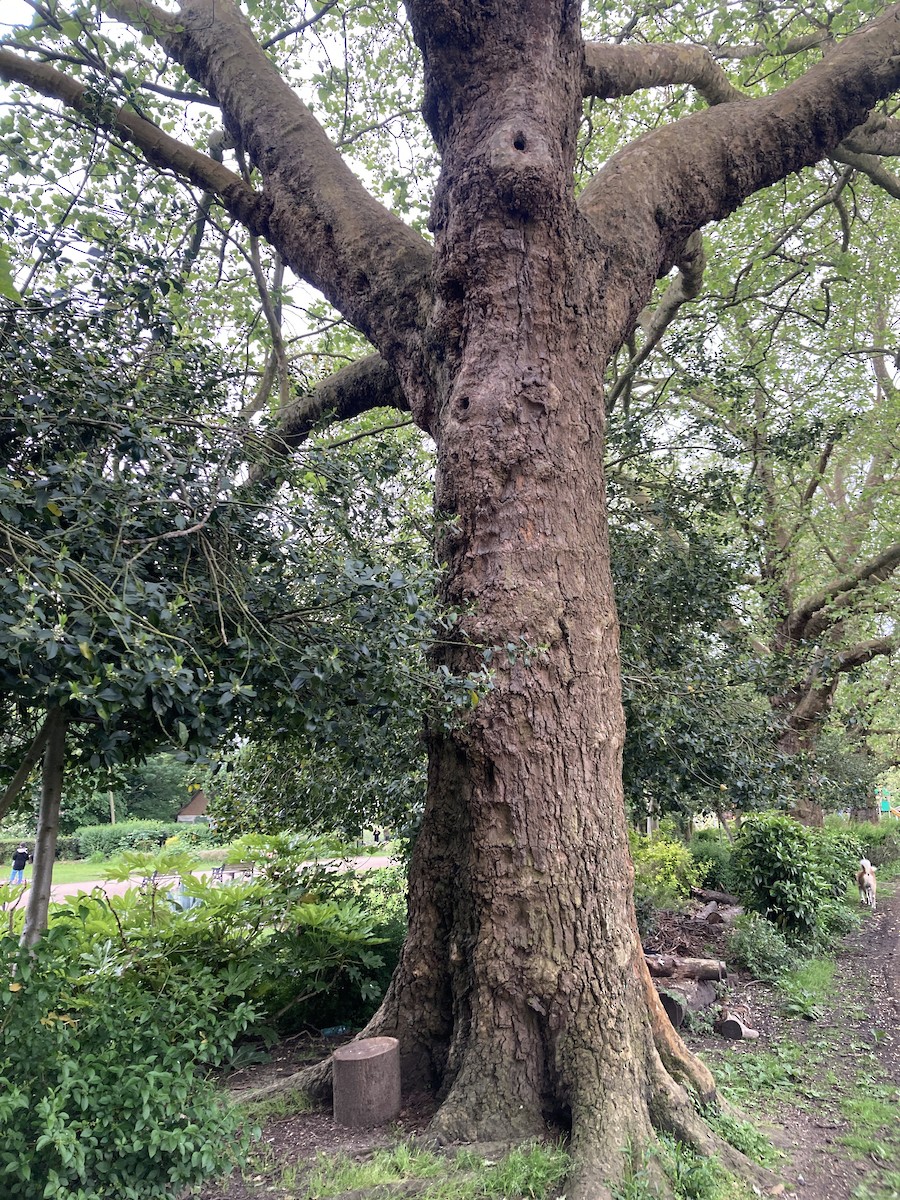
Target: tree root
<point x="673" y="1112"/>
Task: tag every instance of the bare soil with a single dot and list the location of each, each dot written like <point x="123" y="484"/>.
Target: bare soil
<point x="810" y="1077"/>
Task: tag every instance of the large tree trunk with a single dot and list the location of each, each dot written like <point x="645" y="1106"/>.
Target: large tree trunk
<point x="38" y="904"/>
<point x="522" y="995"/>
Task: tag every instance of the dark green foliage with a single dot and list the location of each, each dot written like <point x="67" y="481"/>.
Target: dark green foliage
<point x="108" y="1034"/>
<point x="756" y="944"/>
<point x="66" y="847"/>
<point x="154" y="790"/>
<point x="775" y="872"/>
<point x="317" y="943"/>
<point x="105" y="1055"/>
<point x="645" y="912"/>
<point x="796" y="876"/>
<point x="156" y="598"/>
<point x="836" y="855"/>
<point x="698" y="732"/>
<point x="713" y="850"/>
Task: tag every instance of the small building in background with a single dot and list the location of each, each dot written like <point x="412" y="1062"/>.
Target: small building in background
<point x="195" y="807"/>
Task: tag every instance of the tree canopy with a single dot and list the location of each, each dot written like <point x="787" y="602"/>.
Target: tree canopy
<point x="502" y="260"/>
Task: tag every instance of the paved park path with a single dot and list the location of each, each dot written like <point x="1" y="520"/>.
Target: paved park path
<point x="59" y="891"/>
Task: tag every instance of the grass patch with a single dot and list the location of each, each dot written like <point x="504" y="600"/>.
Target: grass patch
<point x="807" y="988"/>
<point x="332" y="1176"/>
<point x="887" y="1189"/>
<point x="83" y="871"/>
<point x="526" y="1173"/>
<point x="690" y="1176"/>
<point x="751" y="1077"/>
<point x="873" y="1113"/>
<point x="78" y="871"/>
<point x="743" y="1135"/>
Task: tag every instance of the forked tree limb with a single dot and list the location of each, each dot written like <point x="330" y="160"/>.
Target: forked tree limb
<point x="873" y="571"/>
<point x="675" y="179"/>
<point x="874" y="168"/>
<point x="329" y="228"/>
<point x="684" y="287"/>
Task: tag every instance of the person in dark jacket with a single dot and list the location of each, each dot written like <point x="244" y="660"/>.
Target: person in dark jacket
<point x="19" y="859"/>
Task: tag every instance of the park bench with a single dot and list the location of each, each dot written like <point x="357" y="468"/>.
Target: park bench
<point x="171" y="886"/>
<point x="157" y="880"/>
<point x="228" y="872"/>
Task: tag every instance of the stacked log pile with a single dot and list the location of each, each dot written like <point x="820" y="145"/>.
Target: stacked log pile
<point x="690" y="984"/>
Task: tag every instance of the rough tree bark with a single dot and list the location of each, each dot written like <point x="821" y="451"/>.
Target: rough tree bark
<point x="522" y="996"/>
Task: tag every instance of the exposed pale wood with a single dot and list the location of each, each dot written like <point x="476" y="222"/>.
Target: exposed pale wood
<point x="669" y="966"/>
<point x="734" y="1029"/>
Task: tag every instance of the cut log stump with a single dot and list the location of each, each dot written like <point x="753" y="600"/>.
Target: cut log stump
<point x="366" y="1082"/>
<point x="734" y="1029"/>
<point x="688" y="995"/>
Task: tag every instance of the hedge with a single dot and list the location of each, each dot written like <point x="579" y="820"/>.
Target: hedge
<point x="107" y="840"/>
<point x="66" y="847"/>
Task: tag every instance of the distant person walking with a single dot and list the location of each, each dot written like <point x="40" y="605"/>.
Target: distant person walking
<point x="19" y="859"/>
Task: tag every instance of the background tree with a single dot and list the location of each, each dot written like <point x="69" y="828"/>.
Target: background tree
<point x="135" y="577"/>
<point x="522" y="993"/>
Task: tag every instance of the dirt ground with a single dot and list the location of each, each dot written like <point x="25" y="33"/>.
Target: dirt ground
<point x="817" y="1084"/>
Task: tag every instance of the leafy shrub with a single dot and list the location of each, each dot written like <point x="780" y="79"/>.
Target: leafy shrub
<point x="776" y="875"/>
<point x="66" y="847"/>
<point x="105" y="1054"/>
<point x="665" y="870"/>
<point x="107" y="840"/>
<point x="836" y="920"/>
<point x="645" y="912"/>
<point x="711" y="850"/>
<point x="758" y="946"/>
<point x="319" y="943"/>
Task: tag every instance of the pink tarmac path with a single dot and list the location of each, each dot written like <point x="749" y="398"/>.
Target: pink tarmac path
<point x="59" y="891"/>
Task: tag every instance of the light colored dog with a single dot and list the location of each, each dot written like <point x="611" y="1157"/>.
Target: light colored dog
<point x="865" y="881"/>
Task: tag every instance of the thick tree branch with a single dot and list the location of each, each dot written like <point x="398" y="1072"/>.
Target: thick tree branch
<point x="157" y="148"/>
<point x="358" y="388"/>
<point x="30" y="760"/>
<point x="653" y="194"/>
<point x="612" y="71"/>
<point x="863" y="652"/>
<point x="876" y="570"/>
<point x="328" y="227"/>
